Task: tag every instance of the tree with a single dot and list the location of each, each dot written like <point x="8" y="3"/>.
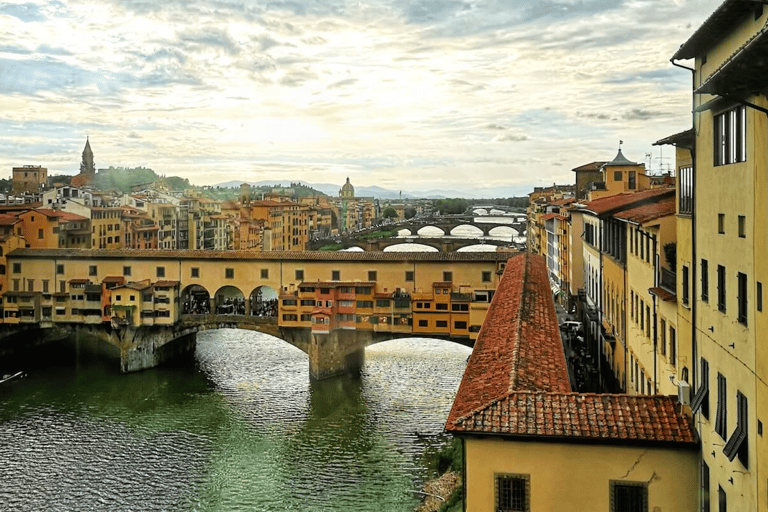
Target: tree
<point x="389" y="213"/>
<point x="410" y="212"/>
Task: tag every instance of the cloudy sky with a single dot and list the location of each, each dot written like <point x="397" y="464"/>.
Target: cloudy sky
<point x="403" y="94"/>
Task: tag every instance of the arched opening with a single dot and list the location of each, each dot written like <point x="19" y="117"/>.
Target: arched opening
<point x="354" y="248"/>
<point x="430" y="232"/>
<point x="404" y="232"/>
<point x="195" y="300"/>
<point x="408" y="247"/>
<point x="467" y="231"/>
<point x="263" y="301"/>
<point x="478" y="248"/>
<point x="504" y="232"/>
<point x="230" y="301"/>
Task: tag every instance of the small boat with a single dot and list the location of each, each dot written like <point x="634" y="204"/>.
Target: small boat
<point x="8" y="377"/>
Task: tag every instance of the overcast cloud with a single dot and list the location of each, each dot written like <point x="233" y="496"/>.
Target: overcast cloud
<point x="424" y="94"/>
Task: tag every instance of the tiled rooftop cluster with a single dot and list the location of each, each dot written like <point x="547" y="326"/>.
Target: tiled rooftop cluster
<point x="516" y="381"/>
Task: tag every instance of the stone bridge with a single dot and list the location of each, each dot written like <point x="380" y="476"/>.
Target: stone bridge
<point x="448" y="224"/>
<point x="151" y="304"/>
<point x="440" y="244"/>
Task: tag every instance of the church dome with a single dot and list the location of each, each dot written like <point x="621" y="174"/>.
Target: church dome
<point x="347" y="190"/>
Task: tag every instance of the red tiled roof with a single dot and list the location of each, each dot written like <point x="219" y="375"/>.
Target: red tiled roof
<point x="587" y="416"/>
<point x="563" y="202"/>
<point x="166" y="284"/>
<point x="649" y="212"/>
<point x="8" y="219"/>
<point x="61" y="214"/>
<point x="591" y="167"/>
<point x="519" y="346"/>
<point x="516" y="381"/>
<point x="609" y="203"/>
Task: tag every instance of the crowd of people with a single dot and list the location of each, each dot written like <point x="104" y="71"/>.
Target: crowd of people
<point x="200" y="305"/>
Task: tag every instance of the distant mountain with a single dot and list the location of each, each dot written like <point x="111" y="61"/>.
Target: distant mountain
<point x="383" y="193"/>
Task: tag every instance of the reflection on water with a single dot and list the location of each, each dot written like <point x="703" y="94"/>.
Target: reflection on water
<point x="239" y="428"/>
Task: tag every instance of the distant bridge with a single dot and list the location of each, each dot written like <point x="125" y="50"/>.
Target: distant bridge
<point x="150" y="304"/>
<point x="440" y="244"/>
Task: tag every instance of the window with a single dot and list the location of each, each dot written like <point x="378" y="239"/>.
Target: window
<point x="737" y="444"/>
<point x="721" y="288"/>
<point x="92" y="270"/>
<point x="648" y="321"/>
<point x="628" y="496"/>
<point x="195" y="272"/>
<point x="447" y="277"/>
<point x="742" y="226"/>
<point x="722" y="502"/>
<point x="299" y="274"/>
<point x="229" y="273"/>
<point x="685" y="286"/>
<point x="17" y="268"/>
<point x="663" y="331"/>
<point x="459" y="307"/>
<point x="40" y="234"/>
<point x="441" y="323"/>
<point x="721" y="419"/>
<point x="700" y="399"/>
<point x="513" y="493"/>
<point x="741" y="298"/>
<point x="160" y="271"/>
<point x="721" y="223"/>
<point x="459" y="325"/>
<point x="59" y="269"/>
<point x="631" y="185"/>
<point x="617" y="175"/>
<point x="486" y="276"/>
<point x="704" y="487"/>
<point x="730" y="136"/>
<point x="335" y="275"/>
<point x="409" y="275"/>
<point x="685" y="189"/>
<point x="704" y="280"/>
<point x="382" y="303"/>
<point x="759" y="296"/>
<point x="423" y="323"/>
<point x="45" y="285"/>
<point x="672" y="346"/>
<point x="441" y="306"/>
<point x="372" y="275"/>
<point x="642" y="318"/>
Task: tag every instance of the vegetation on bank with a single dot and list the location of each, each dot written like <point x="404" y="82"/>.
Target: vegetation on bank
<point x="447" y="461"/>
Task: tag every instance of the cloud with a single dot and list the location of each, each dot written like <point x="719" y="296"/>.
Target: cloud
<point x="27" y="13"/>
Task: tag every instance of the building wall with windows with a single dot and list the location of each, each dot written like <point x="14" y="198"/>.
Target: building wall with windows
<point x="729" y="356"/>
<point x="564" y="477"/>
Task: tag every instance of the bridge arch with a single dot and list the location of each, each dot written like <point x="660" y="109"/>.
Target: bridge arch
<point x="479" y="248"/>
<point x="505" y="231"/>
<point x="468" y="230"/>
<point x="263" y="301"/>
<point x="404" y="232"/>
<point x="195" y="300"/>
<point x="410" y="247"/>
<point x="229" y="300"/>
<point x="430" y="231"/>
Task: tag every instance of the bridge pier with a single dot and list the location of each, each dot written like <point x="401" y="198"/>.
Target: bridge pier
<point x="146" y="347"/>
<point x="338" y="352"/>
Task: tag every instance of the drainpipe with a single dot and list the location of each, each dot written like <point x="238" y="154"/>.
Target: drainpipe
<point x="694" y="348"/>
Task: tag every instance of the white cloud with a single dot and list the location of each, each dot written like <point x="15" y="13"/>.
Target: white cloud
<point x="430" y="93"/>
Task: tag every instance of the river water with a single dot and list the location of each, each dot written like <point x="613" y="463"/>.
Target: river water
<point x="239" y="426"/>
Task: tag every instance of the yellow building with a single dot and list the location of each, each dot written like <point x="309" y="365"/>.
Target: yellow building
<point x="29" y="179"/>
<point x="729" y="254"/>
<point x="106" y="228"/>
<point x="531" y="444"/>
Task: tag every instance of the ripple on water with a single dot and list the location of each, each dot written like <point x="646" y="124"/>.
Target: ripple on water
<point x="242" y="430"/>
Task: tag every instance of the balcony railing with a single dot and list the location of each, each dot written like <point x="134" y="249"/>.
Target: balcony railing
<point x="669" y="280"/>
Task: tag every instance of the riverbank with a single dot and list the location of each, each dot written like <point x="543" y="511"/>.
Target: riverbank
<point x="439" y="491"/>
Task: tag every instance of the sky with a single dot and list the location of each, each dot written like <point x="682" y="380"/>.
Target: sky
<point x="410" y="95"/>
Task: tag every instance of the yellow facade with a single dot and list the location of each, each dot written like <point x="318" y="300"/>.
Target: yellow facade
<point x="567" y="477"/>
<point x="728" y="256"/>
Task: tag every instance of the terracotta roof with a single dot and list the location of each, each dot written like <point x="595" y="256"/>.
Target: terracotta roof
<point x="622" y="201"/>
<point x="590" y="167"/>
<point x="592" y="416"/>
<point x="114" y="279"/>
<point x="519" y="346"/>
<point x="336" y="284"/>
<point x="8" y="219"/>
<point x="61" y="214"/>
<point x="516" y="381"/>
<point x="166" y="284"/>
<point x="563" y="202"/>
<point x="157" y="254"/>
<point x="648" y="212"/>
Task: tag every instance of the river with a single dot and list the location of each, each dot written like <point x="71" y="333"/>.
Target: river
<point x="238" y="426"/>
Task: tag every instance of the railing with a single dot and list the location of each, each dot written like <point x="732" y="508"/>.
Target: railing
<point x="668" y="280"/>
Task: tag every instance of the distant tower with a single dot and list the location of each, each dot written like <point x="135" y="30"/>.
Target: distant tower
<point x="86" y="166"/>
<point x="347" y="191"/>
